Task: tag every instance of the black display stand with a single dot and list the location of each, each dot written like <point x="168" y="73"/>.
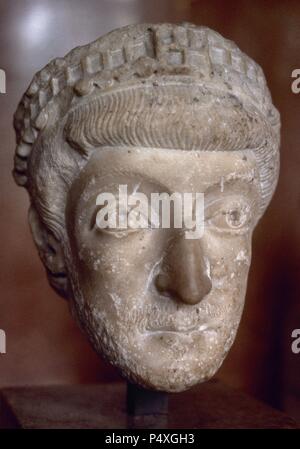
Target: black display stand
<point x="146" y="408"/>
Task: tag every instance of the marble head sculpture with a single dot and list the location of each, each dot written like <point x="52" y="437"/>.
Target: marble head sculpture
<point x="158" y="108"/>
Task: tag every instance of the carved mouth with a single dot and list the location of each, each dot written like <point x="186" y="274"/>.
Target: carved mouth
<point x="178" y="329"/>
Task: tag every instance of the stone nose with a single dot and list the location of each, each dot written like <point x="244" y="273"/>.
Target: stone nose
<point x="184" y="272"/>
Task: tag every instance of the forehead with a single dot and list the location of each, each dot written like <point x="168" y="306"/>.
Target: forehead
<point x="174" y="170"/>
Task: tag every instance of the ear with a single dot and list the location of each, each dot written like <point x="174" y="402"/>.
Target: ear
<point x="51" y="254"/>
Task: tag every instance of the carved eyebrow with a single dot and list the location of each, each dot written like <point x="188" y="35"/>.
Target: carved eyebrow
<point x="231" y="184"/>
<point x="135" y="181"/>
<point x="247" y="177"/>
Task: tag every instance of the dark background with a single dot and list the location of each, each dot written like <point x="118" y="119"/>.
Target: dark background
<point x="44" y="345"/>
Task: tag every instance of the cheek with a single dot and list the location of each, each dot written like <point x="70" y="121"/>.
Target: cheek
<point x="229" y="257"/>
<point x="120" y="265"/>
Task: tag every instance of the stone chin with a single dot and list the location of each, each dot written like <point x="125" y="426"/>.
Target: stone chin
<point x="170" y="361"/>
<point x="177" y="373"/>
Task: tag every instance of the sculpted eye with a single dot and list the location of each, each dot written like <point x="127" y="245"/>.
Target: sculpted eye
<point x="237" y="217"/>
<point x="119" y="222"/>
<point x="229" y="216"/>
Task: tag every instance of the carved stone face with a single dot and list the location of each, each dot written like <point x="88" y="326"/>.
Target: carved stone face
<point x="161" y="109"/>
<point x="162" y="307"/>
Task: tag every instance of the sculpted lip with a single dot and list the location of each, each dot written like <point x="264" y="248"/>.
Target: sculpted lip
<point x="181" y="324"/>
<point x="180" y="329"/>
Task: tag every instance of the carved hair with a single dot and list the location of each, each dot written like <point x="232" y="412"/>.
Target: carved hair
<point x="134" y="54"/>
